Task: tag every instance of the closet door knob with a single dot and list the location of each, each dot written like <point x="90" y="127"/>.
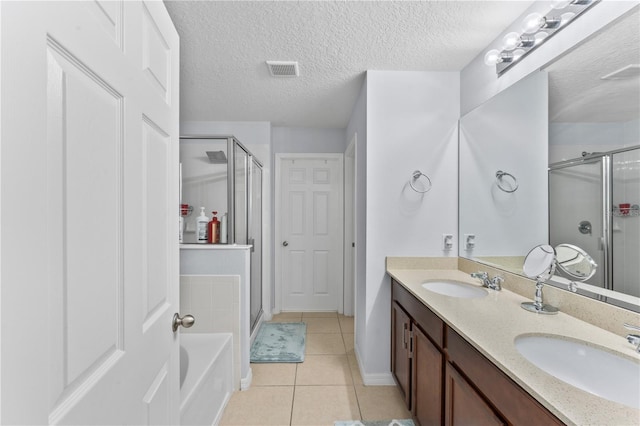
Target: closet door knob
<point x="285" y="243"/>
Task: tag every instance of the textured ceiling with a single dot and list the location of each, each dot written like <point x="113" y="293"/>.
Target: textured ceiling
<point x="576" y="91"/>
<point x="224" y="46"/>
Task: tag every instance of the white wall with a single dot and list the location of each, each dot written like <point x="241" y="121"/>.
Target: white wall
<point x="569" y="140"/>
<point x="256" y="136"/>
<point x="479" y="82"/>
<point x="358" y="125"/>
<point x="306" y="139"/>
<point x="412" y="124"/>
<point x="501" y="135"/>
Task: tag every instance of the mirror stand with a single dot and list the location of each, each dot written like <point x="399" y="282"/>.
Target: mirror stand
<point x="537" y="306"/>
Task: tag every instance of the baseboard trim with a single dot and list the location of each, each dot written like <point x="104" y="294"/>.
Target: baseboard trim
<point x="245" y="382"/>
<point x="375" y="379"/>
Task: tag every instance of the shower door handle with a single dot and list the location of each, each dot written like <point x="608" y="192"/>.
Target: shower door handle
<point x="186" y="321"/>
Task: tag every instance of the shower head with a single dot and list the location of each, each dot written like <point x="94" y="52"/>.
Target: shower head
<point x="217" y="157"/>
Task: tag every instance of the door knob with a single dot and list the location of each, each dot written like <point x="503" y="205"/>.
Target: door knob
<point x="285" y="243"/>
<point x="186" y="321"/>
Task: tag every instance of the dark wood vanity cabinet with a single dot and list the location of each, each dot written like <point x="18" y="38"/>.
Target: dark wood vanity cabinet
<point x="417" y="360"/>
<point x="400" y="355"/>
<point x="463" y="405"/>
<point x="445" y="380"/>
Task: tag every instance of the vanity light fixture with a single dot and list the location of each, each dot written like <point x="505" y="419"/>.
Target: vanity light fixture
<point x="536" y="29"/>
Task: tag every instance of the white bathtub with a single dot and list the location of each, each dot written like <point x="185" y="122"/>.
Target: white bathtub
<point x="206" y="377"/>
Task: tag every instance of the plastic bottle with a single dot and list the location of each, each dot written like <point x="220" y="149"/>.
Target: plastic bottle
<point x="213" y="229"/>
<point x="202" y="223"/>
<point x="223" y="229"/>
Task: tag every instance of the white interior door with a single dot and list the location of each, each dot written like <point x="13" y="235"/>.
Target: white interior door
<point x="89" y="259"/>
<point x="311" y="232"/>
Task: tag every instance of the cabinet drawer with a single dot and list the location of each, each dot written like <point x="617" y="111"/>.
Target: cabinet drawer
<point x="509" y="399"/>
<point x="426" y="320"/>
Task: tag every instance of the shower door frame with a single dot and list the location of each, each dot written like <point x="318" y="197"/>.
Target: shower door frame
<point x="232" y="143"/>
<point x="607" y="201"/>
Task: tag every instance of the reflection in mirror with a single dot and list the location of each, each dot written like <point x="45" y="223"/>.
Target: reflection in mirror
<point x="501" y="135"/>
<point x="591" y="173"/>
<point x="539" y="263"/>
<point x="575" y="262"/>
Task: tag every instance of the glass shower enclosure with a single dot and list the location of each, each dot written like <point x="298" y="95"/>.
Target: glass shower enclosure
<point x="594" y="204"/>
<point x="222" y="175"/>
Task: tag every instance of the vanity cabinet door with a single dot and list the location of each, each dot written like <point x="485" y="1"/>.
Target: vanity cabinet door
<point x="400" y="350"/>
<point x="513" y="402"/>
<point x="427" y="369"/>
<point x="463" y="405"/>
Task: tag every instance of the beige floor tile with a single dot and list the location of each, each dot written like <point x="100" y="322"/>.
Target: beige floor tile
<point x="271" y="374"/>
<point x="348" y="343"/>
<point x="322" y="325"/>
<point x="323" y="405"/>
<point x="324" y="370"/>
<point x="287" y="317"/>
<point x="319" y="315"/>
<point x="325" y="344"/>
<point x="355" y="370"/>
<point x="260" y="406"/>
<point x="346" y="324"/>
<point x="381" y="403"/>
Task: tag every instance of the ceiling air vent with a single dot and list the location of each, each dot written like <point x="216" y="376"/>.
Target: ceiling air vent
<point x="629" y="71"/>
<point x="283" y="68"/>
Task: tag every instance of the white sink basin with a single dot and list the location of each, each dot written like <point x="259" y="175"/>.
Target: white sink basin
<point x="455" y="289"/>
<point x="586" y="367"/>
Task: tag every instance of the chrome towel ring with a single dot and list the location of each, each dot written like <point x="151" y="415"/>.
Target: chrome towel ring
<point x="417" y="175"/>
<point x="499" y="181"/>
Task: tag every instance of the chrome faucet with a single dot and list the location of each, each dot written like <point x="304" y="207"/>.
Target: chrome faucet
<point x="634" y="339"/>
<point x="494" y="283"/>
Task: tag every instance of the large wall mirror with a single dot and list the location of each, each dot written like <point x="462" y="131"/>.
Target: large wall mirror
<point x="556" y="159"/>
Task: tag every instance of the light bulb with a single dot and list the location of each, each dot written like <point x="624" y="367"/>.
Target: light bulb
<point x="539" y="37"/>
<point x="533" y="22"/>
<point x="511" y="41"/>
<point x="566" y="17"/>
<point x="517" y="54"/>
<point x="492" y="57"/>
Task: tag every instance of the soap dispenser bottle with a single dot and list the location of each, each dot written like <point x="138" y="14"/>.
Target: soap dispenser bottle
<point x="213" y="229"/>
<point x="202" y="223"/>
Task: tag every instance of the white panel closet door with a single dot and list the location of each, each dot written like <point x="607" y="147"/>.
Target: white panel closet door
<point x="311" y="224"/>
<point x="89" y="258"/>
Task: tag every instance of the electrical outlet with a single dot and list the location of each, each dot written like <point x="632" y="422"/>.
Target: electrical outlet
<point x="469" y="241"/>
<point x="447" y="242"/>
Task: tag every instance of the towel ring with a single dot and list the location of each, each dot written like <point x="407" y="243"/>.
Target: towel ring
<point x="414" y="177"/>
<point x="499" y="175"/>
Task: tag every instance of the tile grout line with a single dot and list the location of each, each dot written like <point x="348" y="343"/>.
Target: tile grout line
<point x="293" y="399"/>
<point x="353" y="381"/>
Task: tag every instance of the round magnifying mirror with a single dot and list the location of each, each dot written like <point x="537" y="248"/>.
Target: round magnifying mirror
<point x="575" y="262"/>
<point x="540" y="262"/>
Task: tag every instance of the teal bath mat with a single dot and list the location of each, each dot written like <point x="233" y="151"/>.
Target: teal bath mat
<point x="394" y="422"/>
<point x="279" y="342"/>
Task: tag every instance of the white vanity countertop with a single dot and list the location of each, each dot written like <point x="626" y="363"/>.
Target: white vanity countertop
<point x="214" y="246"/>
<point x="491" y="325"/>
